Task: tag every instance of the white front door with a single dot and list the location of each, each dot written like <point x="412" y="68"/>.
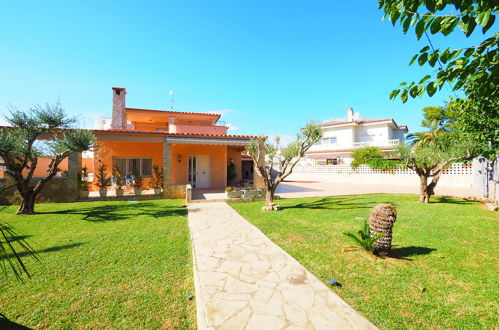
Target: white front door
<point x="200" y="171"/>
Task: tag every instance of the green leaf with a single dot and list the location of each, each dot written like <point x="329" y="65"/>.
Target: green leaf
<point x="483" y="18"/>
<point x="489" y="23"/>
<point x="403" y="83"/>
<point x="394" y="93"/>
<point x="424" y="49"/>
<point x="403" y="96"/>
<point x="468" y="52"/>
<point x="394" y="16"/>
<point x="425" y="78"/>
<point x="431" y="89"/>
<point x="413" y="59"/>
<point x="423" y="58"/>
<point x="433" y="59"/>
<point x="436" y="25"/>
<point x="420" y="28"/>
<point x="421" y="90"/>
<point x="407" y="24"/>
<point x="414" y="91"/>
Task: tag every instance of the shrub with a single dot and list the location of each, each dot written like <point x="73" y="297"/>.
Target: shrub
<point x="118" y="174"/>
<point x="157" y="179"/>
<point x="83" y="179"/>
<point x="373" y="157"/>
<point x="101" y="180"/>
<point x="137" y="180"/>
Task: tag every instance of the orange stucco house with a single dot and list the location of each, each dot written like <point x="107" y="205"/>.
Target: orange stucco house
<point x="191" y="148"/>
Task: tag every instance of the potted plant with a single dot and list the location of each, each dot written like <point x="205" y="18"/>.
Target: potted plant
<point x="157" y="180"/>
<point x="137" y="183"/>
<point x="119" y="181"/>
<point x="101" y="180"/>
<point x="233" y="192"/>
<point x="83" y="182"/>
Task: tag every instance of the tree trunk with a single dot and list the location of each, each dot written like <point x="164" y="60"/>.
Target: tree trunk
<point x="424" y="191"/>
<point x="269" y="198"/>
<point x="28" y="203"/>
<point x="269" y="201"/>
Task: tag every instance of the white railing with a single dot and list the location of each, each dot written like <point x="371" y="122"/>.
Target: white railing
<point x="354" y="145"/>
<point x="455" y="169"/>
<point x="386" y="143"/>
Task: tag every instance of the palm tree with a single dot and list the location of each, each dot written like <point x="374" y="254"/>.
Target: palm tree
<point x="381" y="223"/>
<point x="435" y="129"/>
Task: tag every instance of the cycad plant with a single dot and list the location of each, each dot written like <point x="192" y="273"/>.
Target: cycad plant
<point x="363" y="238"/>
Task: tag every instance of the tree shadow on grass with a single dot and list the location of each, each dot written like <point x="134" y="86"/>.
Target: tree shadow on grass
<point x="117" y="212"/>
<point x="7" y="324"/>
<point x="16" y="238"/>
<point x="332" y="204"/>
<point x="409" y="251"/>
<point x="47" y="250"/>
<point x="451" y="200"/>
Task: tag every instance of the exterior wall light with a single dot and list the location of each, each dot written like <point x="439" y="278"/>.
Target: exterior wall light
<point x="179" y="158"/>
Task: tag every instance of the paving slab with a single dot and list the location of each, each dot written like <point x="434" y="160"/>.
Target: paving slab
<point x="245" y="281"/>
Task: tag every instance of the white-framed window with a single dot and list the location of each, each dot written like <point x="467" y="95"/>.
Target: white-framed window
<point x="129" y="165"/>
<point x="328" y="140"/>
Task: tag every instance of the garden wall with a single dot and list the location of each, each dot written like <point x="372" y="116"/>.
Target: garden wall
<point x="60" y="189"/>
<point x="457" y="175"/>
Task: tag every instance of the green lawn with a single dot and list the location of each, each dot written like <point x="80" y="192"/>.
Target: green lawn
<point x="103" y="265"/>
<point x="444" y="274"/>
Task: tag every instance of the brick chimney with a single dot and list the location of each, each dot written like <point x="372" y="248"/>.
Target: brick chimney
<point x="349" y="114"/>
<point x="119" y="119"/>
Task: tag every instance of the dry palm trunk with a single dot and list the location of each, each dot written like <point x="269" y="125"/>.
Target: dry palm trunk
<point x="381" y="222"/>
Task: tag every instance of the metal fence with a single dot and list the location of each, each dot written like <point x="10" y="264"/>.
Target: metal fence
<point x="484" y="171"/>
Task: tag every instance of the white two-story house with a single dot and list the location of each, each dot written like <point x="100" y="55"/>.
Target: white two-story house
<point x="342" y="137"/>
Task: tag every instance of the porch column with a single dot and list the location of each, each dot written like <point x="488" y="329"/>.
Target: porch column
<point x="167" y="165"/>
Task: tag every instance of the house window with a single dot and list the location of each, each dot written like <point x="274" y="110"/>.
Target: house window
<point x="128" y="166"/>
<point x="328" y="140"/>
<point x="332" y="161"/>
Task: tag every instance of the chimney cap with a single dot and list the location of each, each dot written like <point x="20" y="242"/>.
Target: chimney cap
<point x="119" y="89"/>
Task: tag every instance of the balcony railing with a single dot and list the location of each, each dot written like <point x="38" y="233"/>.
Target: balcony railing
<point x="386" y="143"/>
<point x="354" y="145"/>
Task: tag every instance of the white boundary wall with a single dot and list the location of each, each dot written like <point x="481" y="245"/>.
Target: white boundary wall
<point x="457" y="175"/>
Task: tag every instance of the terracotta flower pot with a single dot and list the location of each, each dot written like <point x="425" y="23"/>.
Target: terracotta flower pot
<point x="119" y="192"/>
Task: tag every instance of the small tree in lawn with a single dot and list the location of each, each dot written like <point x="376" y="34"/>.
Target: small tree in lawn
<point x="429" y="160"/>
<point x="19" y="152"/>
<point x="274" y="167"/>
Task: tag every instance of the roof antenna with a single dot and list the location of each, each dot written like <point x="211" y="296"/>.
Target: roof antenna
<point x="171" y="95"/>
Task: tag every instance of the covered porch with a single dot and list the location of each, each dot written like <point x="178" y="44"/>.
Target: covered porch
<point x="208" y="164"/>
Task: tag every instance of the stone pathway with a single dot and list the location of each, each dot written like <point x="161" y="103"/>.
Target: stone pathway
<point x="245" y="281"/>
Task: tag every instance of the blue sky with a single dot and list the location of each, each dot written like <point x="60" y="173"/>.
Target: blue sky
<point x="269" y="66"/>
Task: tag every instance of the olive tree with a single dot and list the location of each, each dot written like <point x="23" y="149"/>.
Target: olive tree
<point x="274" y="163"/>
<point x="19" y="151"/>
<point x="429" y="159"/>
